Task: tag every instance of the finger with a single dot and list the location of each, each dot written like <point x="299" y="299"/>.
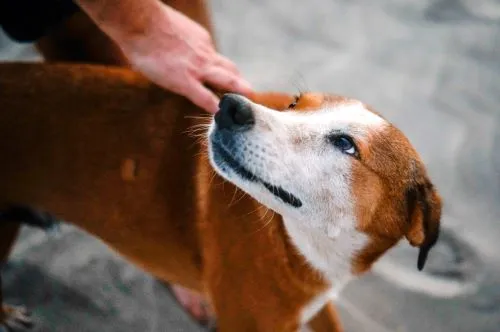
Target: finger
<point x="224" y="62"/>
<point x="225" y="80"/>
<point x="201" y="96"/>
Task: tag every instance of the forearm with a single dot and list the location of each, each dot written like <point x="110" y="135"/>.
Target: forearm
<point x="124" y="19"/>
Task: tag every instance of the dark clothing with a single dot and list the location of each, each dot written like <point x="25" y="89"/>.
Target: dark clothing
<point x="29" y="20"/>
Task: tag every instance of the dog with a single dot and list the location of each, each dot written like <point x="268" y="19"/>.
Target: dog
<point x="345" y="184"/>
<point x="97" y="151"/>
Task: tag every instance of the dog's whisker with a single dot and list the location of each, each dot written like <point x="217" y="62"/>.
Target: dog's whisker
<point x="203" y="153"/>
<point x="197" y="135"/>
<point x="202" y="120"/>
<point x="199" y="154"/>
<point x="196" y="130"/>
<point x="240" y="217"/>
<point x="251" y="212"/>
<point x="200" y="134"/>
<point x="266" y="224"/>
<point x="204" y="123"/>
<point x="202" y="116"/>
<point x="234" y="195"/>
<point x="198" y="125"/>
<point x="265" y="214"/>
<point x="198" y="138"/>
<point x="201" y="124"/>
<point x="243" y="194"/>
<point x="214" y="175"/>
<point x="201" y="142"/>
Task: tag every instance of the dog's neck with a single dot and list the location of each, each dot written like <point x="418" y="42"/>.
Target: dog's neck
<point x="331" y="251"/>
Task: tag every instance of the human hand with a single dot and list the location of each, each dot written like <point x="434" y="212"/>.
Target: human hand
<point x="178" y="54"/>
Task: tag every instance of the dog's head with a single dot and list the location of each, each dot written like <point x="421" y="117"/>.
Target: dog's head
<point x="331" y="164"/>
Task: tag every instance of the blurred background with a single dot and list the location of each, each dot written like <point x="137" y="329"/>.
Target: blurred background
<point x="430" y="66"/>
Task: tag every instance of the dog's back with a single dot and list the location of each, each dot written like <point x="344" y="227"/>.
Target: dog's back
<point x="104" y="149"/>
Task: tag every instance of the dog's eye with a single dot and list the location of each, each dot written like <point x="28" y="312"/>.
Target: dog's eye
<point x="344" y="143"/>
<point x="296" y="99"/>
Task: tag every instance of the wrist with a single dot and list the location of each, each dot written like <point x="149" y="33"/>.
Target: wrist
<point x="125" y="21"/>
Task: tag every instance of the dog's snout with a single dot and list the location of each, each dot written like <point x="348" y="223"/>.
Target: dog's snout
<point x="235" y="113"/>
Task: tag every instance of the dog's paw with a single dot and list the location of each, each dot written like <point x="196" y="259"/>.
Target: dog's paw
<point x="16" y="319"/>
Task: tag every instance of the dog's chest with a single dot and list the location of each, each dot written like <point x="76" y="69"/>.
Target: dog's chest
<point x="332" y="256"/>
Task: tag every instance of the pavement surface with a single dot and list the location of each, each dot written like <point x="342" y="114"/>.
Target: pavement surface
<point x="430" y="66"/>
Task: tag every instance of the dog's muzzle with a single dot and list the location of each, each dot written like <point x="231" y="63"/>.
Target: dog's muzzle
<point x="235" y="117"/>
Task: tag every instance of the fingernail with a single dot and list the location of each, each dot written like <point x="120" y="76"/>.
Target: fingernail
<point x="245" y="87"/>
<point x="214" y="107"/>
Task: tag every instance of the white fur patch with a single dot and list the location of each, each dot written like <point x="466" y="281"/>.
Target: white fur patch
<point x="332" y="257"/>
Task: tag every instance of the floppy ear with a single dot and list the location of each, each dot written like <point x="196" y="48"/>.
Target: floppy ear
<point x="424" y="217"/>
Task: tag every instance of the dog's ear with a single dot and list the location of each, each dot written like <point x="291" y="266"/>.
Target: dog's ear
<point x="424" y="218"/>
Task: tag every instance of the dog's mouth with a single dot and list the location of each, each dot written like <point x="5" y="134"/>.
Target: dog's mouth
<point x="224" y="159"/>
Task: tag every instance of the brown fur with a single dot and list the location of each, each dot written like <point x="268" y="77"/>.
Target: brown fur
<point x="100" y="147"/>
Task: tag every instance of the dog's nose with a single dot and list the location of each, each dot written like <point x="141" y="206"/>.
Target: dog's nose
<point x="235" y="113"/>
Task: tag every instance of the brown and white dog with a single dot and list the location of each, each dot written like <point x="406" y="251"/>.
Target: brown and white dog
<point x="108" y="151"/>
<point x="93" y="146"/>
<point x="347" y="183"/>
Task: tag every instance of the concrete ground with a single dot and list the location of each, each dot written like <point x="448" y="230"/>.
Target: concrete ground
<point x="430" y="66"/>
